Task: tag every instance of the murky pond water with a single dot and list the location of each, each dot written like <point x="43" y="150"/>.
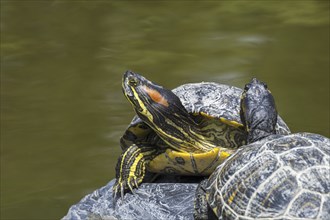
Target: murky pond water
<point x="62" y="109"/>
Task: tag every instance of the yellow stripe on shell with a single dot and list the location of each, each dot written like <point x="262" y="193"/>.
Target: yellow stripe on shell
<point x="223" y="120"/>
<point x="232" y="123"/>
<point x="232" y="196"/>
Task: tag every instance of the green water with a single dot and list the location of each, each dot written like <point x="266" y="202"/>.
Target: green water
<point x="62" y="109"/>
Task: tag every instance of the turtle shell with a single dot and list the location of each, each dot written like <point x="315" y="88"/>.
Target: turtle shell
<point x="208" y="103"/>
<point x="279" y="177"/>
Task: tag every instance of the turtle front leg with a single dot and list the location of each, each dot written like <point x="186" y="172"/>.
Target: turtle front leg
<point x="131" y="168"/>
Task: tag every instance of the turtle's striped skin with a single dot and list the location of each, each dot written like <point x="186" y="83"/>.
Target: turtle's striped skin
<point x="280" y="177"/>
<point x="187" y="131"/>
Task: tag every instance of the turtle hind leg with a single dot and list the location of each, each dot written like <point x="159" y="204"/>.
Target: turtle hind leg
<point x="202" y="210"/>
<point x="131" y="169"/>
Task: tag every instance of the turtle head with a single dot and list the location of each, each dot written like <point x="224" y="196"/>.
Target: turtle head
<point x="157" y="106"/>
<point x="258" y="110"/>
<point x="149" y="100"/>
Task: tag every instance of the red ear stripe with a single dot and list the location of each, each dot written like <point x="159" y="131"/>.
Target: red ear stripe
<point x="156" y="96"/>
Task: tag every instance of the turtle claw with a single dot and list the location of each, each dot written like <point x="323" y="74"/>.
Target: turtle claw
<point x="116" y="190"/>
<point x="122" y="191"/>
<point x="136" y="184"/>
<point x="128" y="185"/>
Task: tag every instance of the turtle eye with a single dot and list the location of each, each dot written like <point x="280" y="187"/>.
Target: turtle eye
<point x="265" y="85"/>
<point x="132" y="81"/>
<point x="247" y="87"/>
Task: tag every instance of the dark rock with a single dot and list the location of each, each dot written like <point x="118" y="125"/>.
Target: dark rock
<point x="150" y="201"/>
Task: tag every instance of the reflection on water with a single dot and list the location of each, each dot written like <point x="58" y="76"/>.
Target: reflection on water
<point x="62" y="108"/>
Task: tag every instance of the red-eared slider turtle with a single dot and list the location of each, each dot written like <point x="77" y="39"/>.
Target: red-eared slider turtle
<point x="187" y="131"/>
<point x="274" y="176"/>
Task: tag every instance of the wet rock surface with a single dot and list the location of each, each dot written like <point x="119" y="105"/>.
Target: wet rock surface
<point x="164" y="200"/>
